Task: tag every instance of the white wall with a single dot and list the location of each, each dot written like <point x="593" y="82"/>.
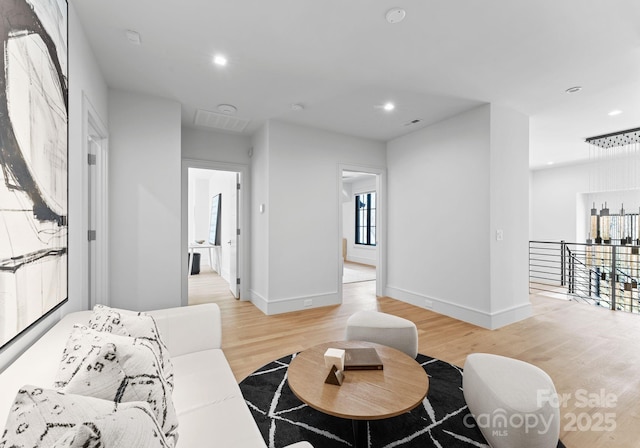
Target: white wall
<point x="554" y="195"/>
<point x="439" y="216"/>
<point x="562" y="200"/>
<point x="509" y="206"/>
<point x="200" y="208"/>
<point x="259" y="271"/>
<point x="144" y="201"/>
<point x="84" y="78"/>
<point x="202" y="144"/>
<point x="302" y="214"/>
<point x="357" y="252"/>
<point x="450" y="186"/>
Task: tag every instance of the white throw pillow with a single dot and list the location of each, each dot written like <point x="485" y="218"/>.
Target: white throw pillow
<point x="47" y="418"/>
<point x="117" y="368"/>
<point x="134" y="324"/>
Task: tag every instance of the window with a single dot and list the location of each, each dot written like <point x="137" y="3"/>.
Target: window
<point x="366" y="219"/>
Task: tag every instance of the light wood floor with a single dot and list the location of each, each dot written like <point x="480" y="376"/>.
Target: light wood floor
<point x="361" y="271"/>
<point x="583" y="348"/>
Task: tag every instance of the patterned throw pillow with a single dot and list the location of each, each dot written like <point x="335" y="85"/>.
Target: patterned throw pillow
<point x="117" y="368"/>
<point x="134" y="427"/>
<point x="134" y="324"/>
<point x="42" y="418"/>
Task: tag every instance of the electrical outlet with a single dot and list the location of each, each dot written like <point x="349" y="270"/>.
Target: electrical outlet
<point x="499" y="235"/>
<point x="308" y="303"/>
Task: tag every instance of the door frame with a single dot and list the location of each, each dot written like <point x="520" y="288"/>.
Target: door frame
<point x="243" y="209"/>
<point x="97" y="276"/>
<point x="381" y="224"/>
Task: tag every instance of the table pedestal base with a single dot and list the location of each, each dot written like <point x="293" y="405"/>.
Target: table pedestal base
<point x="359" y="433"/>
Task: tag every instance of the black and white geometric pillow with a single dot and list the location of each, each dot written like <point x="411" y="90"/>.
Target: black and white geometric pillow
<point x="117" y="368"/>
<point x="133" y="324"/>
<point x="47" y="418"/>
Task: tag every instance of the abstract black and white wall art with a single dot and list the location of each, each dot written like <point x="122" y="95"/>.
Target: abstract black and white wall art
<point x="34" y="110"/>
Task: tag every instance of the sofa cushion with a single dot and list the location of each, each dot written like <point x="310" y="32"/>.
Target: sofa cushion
<point x="134" y="324"/>
<point x="207" y="395"/>
<point x="117" y="368"/>
<point x="45" y="418"/>
<point x="201" y="378"/>
<point x="230" y="421"/>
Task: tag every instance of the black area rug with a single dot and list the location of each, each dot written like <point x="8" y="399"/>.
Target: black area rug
<point x="439" y="422"/>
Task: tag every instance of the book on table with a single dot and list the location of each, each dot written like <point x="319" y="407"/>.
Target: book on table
<point x="362" y="359"/>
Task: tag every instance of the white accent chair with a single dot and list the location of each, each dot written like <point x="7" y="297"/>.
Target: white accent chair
<point x="514" y="402"/>
<point x="385" y="329"/>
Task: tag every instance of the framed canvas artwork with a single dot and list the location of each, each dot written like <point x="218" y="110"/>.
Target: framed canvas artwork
<point x="34" y="105"/>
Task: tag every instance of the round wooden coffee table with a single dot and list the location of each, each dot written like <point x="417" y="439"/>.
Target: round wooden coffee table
<point x="364" y="394"/>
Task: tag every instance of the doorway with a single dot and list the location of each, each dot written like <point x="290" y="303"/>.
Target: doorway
<point x="361" y="210"/>
<point x="213" y="219"/>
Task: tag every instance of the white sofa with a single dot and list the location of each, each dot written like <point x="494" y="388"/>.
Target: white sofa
<point x="210" y="407"/>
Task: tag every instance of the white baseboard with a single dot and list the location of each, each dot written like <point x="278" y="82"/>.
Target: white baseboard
<point x="474" y="316"/>
<point x="511" y="315"/>
<point x="362" y="260"/>
<point x="286" y="305"/>
<point x="260" y="302"/>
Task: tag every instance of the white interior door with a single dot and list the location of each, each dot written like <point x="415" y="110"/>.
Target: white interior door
<point x="234" y="284"/>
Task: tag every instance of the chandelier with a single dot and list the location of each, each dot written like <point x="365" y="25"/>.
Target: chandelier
<point x="615" y="170"/>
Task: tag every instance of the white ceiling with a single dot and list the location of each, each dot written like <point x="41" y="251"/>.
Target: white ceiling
<point x="341" y="59"/>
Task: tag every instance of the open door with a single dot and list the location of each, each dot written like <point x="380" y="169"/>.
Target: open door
<point x="234" y="281"/>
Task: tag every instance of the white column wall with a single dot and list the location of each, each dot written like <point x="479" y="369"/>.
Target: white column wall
<point x="259" y="272"/>
<point x="509" y="206"/>
<point x="84" y="78"/>
<point x="439" y="217"/>
<point x="144" y="201"/>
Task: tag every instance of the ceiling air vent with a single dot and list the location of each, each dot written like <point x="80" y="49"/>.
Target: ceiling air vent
<point x="412" y="122"/>
<point x="220" y="121"/>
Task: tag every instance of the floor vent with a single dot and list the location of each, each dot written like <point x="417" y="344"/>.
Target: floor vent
<point x="220" y="121"/>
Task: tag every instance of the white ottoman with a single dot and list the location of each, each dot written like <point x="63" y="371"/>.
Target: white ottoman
<point x="385" y="329"/>
<point x="514" y="403"/>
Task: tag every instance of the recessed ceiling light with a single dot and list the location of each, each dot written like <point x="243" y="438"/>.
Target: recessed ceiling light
<point x="389" y="107"/>
<point x="220" y="60"/>
<point x="613" y="113"/>
<point x="575" y="89"/>
<point x="549" y="163"/>
<point x="395" y="15"/>
<point x="133" y="37"/>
